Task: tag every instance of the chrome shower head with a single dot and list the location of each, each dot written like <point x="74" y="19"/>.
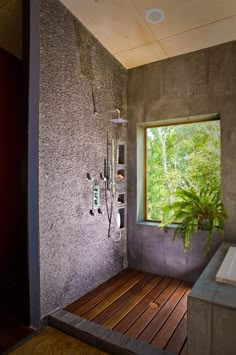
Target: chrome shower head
<point x="119" y="119"/>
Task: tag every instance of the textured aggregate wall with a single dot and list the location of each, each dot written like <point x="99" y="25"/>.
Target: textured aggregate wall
<point x="75" y="252"/>
<point x="193" y="84"/>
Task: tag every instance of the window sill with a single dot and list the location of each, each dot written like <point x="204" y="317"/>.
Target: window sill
<point x="156" y="224"/>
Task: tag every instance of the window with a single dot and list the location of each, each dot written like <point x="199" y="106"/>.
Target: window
<point x="175" y="154"/>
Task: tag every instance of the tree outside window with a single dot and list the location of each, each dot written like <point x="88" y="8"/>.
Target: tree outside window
<point x="177" y="154"/>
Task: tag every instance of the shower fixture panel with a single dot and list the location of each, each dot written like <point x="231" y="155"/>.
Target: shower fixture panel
<point x="96" y="197"/>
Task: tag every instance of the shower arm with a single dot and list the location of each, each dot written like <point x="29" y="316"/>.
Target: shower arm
<point x="118" y="112"/>
<point x="109" y="111"/>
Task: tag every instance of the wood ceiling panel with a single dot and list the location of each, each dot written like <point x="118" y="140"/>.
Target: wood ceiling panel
<point x="203" y="37"/>
<point x="184" y="15"/>
<point x="116" y="24"/>
<point x="142" y="55"/>
<point x="189" y="25"/>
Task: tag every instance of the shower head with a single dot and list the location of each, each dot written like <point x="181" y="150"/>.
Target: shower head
<point x="118" y="119"/>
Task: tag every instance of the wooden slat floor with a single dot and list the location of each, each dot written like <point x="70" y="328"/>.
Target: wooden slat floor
<point x="147" y="307"/>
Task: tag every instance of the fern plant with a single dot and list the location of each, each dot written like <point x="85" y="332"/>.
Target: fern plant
<point x="195" y="209"/>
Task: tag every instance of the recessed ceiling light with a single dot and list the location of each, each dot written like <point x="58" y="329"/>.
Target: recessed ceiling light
<point x="154" y="15"/>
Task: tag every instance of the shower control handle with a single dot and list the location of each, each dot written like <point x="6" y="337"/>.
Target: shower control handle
<point x="92" y="213"/>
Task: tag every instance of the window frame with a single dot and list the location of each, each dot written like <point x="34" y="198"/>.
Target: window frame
<point x="187" y="120"/>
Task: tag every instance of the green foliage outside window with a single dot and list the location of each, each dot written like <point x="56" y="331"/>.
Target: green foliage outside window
<point x="176" y="154"/>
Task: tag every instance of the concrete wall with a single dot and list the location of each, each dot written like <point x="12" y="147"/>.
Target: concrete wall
<point x="198" y="83"/>
<point x="75" y="252"/>
<point x="212" y="312"/>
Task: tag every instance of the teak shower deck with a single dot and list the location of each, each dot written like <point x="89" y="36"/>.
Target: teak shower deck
<point x="147" y="307"/>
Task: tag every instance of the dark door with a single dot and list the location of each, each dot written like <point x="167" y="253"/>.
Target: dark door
<point x="13" y="244"/>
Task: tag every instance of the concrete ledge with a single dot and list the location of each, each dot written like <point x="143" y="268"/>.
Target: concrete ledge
<point x="212" y="312"/>
<point x="105" y="339"/>
<point x="208" y="289"/>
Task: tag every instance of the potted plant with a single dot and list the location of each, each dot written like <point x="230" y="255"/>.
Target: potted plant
<point x="195" y="208"/>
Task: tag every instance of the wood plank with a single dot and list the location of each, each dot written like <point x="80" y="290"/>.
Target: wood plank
<point x="163" y="336"/>
<point x="128" y="306"/>
<point x="93" y="312"/>
<point x="156" y="323"/>
<point x="133" y="315"/>
<point x="152" y="310"/>
<point x="184" y="351"/>
<point x="98" y="297"/>
<point x="91" y="294"/>
<point x="100" y="318"/>
<point x="178" y="339"/>
<point x="141" y="305"/>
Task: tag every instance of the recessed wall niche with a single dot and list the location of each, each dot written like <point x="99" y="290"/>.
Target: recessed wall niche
<point x="121" y="199"/>
<point x="120" y="174"/>
<point x="121" y="154"/>
<point x="122" y="217"/>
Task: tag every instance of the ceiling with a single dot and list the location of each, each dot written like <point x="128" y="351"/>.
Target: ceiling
<point x="188" y="25"/>
<point x="11" y="26"/>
